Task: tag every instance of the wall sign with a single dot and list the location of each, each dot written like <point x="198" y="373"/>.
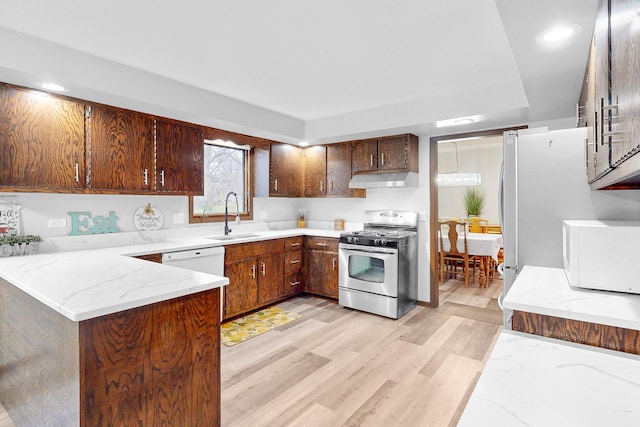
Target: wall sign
<point x="82" y="223"/>
<point x="147" y="218"/>
<point x="9" y="219"/>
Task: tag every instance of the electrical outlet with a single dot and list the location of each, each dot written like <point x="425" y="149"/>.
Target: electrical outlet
<point x="178" y="218"/>
<point x="57" y="223"/>
<point x="263" y="215"/>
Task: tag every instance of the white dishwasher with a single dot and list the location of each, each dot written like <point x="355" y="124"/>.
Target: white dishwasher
<point x="206" y="260"/>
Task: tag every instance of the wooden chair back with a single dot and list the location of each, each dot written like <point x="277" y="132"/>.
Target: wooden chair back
<point x="478" y="225"/>
<point x="453" y="230"/>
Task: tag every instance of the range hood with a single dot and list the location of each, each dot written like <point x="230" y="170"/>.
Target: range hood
<point x="384" y="180"/>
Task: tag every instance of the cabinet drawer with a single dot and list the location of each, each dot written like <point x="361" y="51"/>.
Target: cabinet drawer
<point x="241" y="251"/>
<point x="322" y="243"/>
<point x="293" y="284"/>
<point x="293" y="243"/>
<point x="292" y="262"/>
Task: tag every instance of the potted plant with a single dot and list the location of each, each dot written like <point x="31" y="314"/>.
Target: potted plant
<point x="473" y="201"/>
<point x="19" y="245"/>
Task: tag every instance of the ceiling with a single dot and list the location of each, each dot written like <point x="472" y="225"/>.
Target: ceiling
<point x="317" y="71"/>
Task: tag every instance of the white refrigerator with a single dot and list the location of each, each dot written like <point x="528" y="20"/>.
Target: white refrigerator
<point x="543" y="183"/>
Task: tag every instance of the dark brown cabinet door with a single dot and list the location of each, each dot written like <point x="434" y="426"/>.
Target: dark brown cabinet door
<point x="315" y="171"/>
<point x="42" y="140"/>
<point x="241" y="294"/>
<point x="365" y="156"/>
<point x="601" y="86"/>
<point x="179" y="158"/>
<point x="393" y="153"/>
<point x="322" y="273"/>
<point x="270" y="278"/>
<point x="121" y="149"/>
<point x="284" y="171"/>
<point x="339" y="172"/>
<point x="625" y="81"/>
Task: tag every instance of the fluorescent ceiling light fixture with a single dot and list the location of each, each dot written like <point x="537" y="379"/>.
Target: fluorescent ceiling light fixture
<point x="557" y="34"/>
<point x="52" y="86"/>
<point x="457" y="121"/>
<point x="458" y="179"/>
<point x="303" y="143"/>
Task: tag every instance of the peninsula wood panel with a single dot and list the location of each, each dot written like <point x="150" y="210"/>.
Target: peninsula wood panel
<point x="121" y="149"/>
<point x="611" y="337"/>
<point x="151" y="257"/>
<point x="42" y="140"/>
<point x="154" y="365"/>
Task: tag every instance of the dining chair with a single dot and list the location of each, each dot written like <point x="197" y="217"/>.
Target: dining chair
<point x="478" y="225"/>
<point x="454" y="259"/>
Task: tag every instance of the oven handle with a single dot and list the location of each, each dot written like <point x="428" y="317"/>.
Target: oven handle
<point x="371" y="249"/>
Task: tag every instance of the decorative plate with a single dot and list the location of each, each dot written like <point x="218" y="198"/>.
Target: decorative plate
<point x="147" y="218"/>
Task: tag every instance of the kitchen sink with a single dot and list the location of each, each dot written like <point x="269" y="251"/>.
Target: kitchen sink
<point x="232" y="236"/>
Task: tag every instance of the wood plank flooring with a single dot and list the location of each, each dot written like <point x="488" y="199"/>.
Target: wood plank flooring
<point x="340" y="367"/>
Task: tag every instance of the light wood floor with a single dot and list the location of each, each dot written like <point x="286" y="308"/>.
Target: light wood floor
<point x="339" y="367"/>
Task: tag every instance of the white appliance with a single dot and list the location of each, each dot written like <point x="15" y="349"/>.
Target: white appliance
<point x="205" y="260"/>
<point x="602" y="254"/>
<point x="544" y="182"/>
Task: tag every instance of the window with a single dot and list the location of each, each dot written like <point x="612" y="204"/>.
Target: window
<point x="226" y="170"/>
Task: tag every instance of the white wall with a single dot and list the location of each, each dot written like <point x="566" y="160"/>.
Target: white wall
<point x="482" y="156"/>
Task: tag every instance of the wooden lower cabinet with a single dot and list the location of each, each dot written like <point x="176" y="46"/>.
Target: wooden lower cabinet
<point x="270" y="278"/>
<point x="241" y="294"/>
<point x="321" y="266"/>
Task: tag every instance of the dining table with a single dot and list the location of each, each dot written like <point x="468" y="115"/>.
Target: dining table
<point x="486" y="246"/>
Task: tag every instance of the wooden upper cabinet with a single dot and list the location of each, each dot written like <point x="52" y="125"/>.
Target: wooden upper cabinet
<point x="315" y="171"/>
<point x="179" y="158"/>
<point x="365" y="156"/>
<point x="389" y="154"/>
<point x="121" y="149"/>
<point x="284" y="170"/>
<point x="42" y="142"/>
<point x="625" y="81"/>
<point x="339" y="171"/>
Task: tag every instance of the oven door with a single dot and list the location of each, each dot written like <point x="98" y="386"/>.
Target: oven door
<point x="369" y="269"/>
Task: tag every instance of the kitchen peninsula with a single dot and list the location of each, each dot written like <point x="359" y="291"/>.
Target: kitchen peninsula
<point x="96" y="338"/>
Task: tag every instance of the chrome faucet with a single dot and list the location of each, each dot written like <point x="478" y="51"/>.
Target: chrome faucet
<point x="227" y="230"/>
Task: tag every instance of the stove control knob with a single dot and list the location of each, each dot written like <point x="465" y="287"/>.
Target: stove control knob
<point x="352" y="239"/>
<point x="380" y="242"/>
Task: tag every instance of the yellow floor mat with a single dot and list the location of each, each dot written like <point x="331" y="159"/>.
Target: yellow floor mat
<point x="254" y="324"/>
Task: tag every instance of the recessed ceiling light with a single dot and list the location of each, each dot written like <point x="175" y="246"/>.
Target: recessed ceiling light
<point x="52" y="86"/>
<point x="458" y="121"/>
<point x="558" y="33"/>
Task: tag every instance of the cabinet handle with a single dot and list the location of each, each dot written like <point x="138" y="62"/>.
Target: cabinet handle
<point x="293" y="245"/>
<point x="264" y="269"/>
<point x="146" y="176"/>
<point x="333" y="263"/>
<point x="295" y="261"/>
<point x="371" y="160"/>
<point x="322" y="244"/>
<point x="294" y="283"/>
<point x="77" y="175"/>
<point x="321" y="186"/>
<point x="382" y="159"/>
<point x="162" y="177"/>
<point x="275" y="185"/>
<point x="253" y="271"/>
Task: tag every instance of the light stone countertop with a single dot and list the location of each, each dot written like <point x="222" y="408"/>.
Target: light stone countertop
<point x="545" y="290"/>
<point x="89" y="283"/>
<point x="534" y="381"/>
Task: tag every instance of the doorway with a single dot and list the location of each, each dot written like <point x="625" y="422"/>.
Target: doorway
<point x="434" y="212"/>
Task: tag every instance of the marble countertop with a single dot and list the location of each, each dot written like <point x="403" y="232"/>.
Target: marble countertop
<point x="535" y="381"/>
<point x="546" y="291"/>
<point x="89" y="283"/>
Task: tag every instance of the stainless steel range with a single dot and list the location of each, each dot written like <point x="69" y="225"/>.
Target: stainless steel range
<point x="379" y="265"/>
